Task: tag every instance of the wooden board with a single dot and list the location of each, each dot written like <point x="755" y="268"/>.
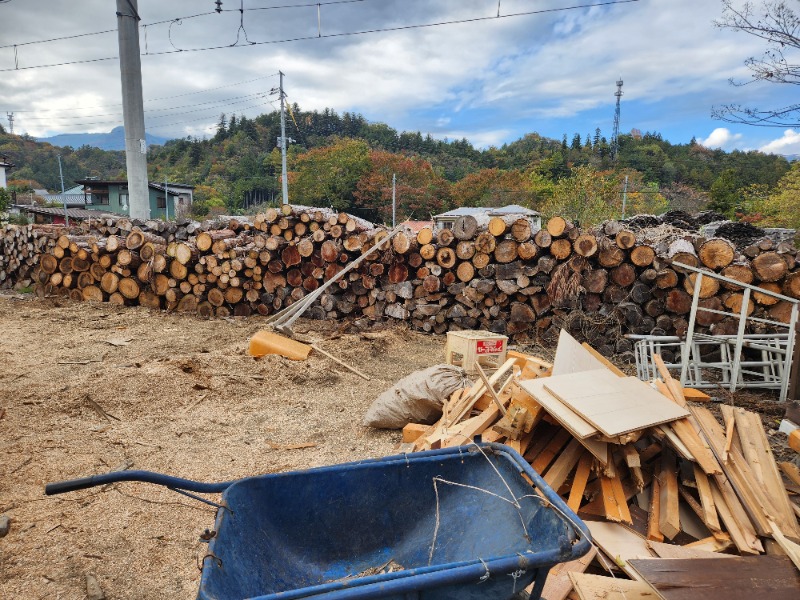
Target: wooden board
<point x="736" y="578"/>
<point x="620" y="544"/>
<point x="673" y="551"/>
<point x="599" y="587"/>
<point x="576" y="425"/>
<point x="613" y="405"/>
<point x="558" y="586"/>
<point x="571" y="357"/>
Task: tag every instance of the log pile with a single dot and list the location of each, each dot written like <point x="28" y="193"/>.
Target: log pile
<point x="645" y="466"/>
<point x="20" y="249"/>
<point x="502" y="276"/>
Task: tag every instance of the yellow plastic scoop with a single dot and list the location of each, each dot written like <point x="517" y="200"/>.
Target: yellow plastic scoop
<point x="267" y="342"/>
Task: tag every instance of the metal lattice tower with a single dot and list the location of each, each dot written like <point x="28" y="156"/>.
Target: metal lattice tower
<point x="10" y="116"/>
<point x="615" y="138"/>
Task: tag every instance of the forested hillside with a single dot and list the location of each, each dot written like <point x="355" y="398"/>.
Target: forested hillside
<point x="347" y="162"/>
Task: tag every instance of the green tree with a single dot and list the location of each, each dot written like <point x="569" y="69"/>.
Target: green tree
<point x="586" y="196"/>
<point x="724" y="193"/>
<point x="328" y="176"/>
<point x="781" y="208"/>
<point x="5" y="199"/>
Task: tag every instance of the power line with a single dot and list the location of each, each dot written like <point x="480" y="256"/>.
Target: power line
<point x="173" y="19"/>
<point x="225" y="101"/>
<point x="339" y="35"/>
<point x="203" y="91"/>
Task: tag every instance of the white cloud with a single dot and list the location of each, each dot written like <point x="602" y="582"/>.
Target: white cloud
<point x="789" y="143"/>
<point x="722" y="137"/>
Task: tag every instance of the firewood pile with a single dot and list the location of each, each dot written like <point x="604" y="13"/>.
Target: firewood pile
<point x="504" y="277"/>
<point x="20" y="249"/>
<point x="651" y="471"/>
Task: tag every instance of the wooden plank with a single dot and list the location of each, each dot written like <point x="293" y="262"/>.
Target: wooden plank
<point x="571" y="357"/>
<point x="754" y="499"/>
<point x="674" y="386"/>
<point x="674" y="551"/>
<point x="614" y="405"/>
<point x="549" y="453"/>
<point x="412" y="431"/>
<point x="706" y="500"/>
<point x="669" y="522"/>
<point x="759" y="457"/>
<point x="608" y="364"/>
<point x="578" y="426"/>
<point x="595" y="587"/>
<point x="621" y="500"/>
<point x="735" y="578"/>
<point x="558" y="586"/>
<point x="697" y="447"/>
<point x="791" y="471"/>
<point x="579" y="481"/>
<point x="653" y="530"/>
<point x="620" y="544"/>
<point x="695" y="395"/>
<point x="791" y="549"/>
<point x="557" y="474"/>
<point x="736" y="521"/>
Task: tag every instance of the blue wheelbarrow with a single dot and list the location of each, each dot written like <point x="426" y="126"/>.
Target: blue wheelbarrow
<point x="455" y="524"/>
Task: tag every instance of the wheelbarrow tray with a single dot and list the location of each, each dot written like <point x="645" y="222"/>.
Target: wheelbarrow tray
<point x="459" y="523"/>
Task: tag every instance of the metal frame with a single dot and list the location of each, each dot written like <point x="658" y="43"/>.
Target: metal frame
<point x="690" y="352"/>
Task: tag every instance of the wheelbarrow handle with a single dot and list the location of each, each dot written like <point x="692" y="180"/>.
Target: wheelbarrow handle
<point x="73" y="485"/>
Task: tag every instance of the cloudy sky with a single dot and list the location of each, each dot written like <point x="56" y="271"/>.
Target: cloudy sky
<point x="490" y="80"/>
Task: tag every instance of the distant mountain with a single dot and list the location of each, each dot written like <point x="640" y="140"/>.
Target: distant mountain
<point x="791" y="157"/>
<point x="113" y="140"/>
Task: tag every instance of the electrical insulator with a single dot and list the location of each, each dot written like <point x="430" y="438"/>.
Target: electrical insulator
<point x="219" y="6"/>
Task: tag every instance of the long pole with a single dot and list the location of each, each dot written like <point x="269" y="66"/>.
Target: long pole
<point x="283" y="144"/>
<point x="63" y="197"/>
<point x="624" y="196"/>
<point x="166" y="199"/>
<point x="394" y="200"/>
<point x="130" y="67"/>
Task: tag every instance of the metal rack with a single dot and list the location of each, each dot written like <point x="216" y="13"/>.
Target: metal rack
<point x="768" y="361"/>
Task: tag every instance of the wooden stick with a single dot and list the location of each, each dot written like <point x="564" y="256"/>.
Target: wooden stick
<point x="728" y="440"/>
<point x="342" y="363"/>
<point x="491" y="389"/>
<point x="287" y="316"/>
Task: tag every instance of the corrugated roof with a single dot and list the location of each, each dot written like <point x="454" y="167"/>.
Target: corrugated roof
<point x="73" y="213"/>
<point x="511" y="209"/>
<point x="65" y="198"/>
<point x="153" y="184"/>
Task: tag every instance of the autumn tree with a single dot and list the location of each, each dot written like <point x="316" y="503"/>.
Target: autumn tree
<point x="493" y="187"/>
<point x="420" y="190"/>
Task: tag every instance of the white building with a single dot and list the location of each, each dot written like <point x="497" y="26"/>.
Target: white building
<point x="4" y="166"/>
<point x="484" y="214"/>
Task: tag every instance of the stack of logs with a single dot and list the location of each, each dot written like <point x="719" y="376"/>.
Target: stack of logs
<point x="504" y="277"/>
<point x="20" y="249"/>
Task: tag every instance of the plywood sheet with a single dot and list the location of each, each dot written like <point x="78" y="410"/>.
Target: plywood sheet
<point x="576" y="424"/>
<point x="573" y="423"/>
<point x="614" y="405"/>
<point x="737" y="578"/>
<point x="571" y="357"/>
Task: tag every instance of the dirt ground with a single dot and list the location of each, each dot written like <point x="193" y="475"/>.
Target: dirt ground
<point x="85" y="389"/>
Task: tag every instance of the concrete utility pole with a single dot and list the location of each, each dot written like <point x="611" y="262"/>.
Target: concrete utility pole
<point x="63" y="197"/>
<point x="130" y="67"/>
<point x="283" y="143"/>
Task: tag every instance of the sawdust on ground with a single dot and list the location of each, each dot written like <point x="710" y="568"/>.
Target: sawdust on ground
<point x="87" y="388"/>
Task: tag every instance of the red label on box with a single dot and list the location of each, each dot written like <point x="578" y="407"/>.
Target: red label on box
<point x="490" y="346"/>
